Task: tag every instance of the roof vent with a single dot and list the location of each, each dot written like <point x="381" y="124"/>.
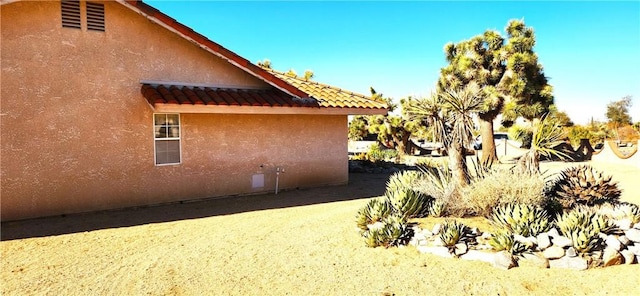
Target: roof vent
<point x="71" y="14"/>
<point x="95" y="16"/>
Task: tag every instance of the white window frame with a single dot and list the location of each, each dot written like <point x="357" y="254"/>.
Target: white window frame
<point x="155" y="139"/>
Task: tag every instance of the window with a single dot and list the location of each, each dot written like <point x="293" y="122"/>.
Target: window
<point x="167" y="138"/>
<point x="70" y="14"/>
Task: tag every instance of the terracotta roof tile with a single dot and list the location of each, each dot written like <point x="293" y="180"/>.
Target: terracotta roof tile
<point x="329" y="96"/>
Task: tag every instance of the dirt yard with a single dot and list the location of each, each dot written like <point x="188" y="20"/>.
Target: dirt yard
<point x="295" y="243"/>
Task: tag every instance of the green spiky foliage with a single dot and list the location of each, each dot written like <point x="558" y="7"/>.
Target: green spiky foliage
<point x="391" y="231"/>
<point x="403" y="180"/>
<point x="374" y="211"/>
<point x="525" y="220"/>
<point x="408" y="203"/>
<point x="623" y="210"/>
<point x="583" y="185"/>
<point x="503" y="240"/>
<point x="437" y="208"/>
<point x="583" y="226"/>
<point x="453" y="232"/>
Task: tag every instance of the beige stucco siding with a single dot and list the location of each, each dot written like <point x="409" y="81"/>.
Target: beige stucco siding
<point x="76" y="134"/>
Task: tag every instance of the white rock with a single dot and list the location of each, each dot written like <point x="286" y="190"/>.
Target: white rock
<point x="624" y="240"/>
<point x="611" y="257"/>
<point x="544" y="241"/>
<point x="629" y="257"/>
<point x="637" y="225"/>
<point x="575" y="263"/>
<point x="503" y="260"/>
<point x="562" y="241"/>
<point x="533" y="260"/>
<point x="635" y="249"/>
<point x="553" y="232"/>
<point x="486" y="236"/>
<point x="460" y="249"/>
<point x="553" y="252"/>
<point x="571" y="252"/>
<point x="438" y="251"/>
<point x="436" y="228"/>
<point x="624" y="224"/>
<point x="633" y="235"/>
<point x="478" y="256"/>
<point x="613" y="243"/>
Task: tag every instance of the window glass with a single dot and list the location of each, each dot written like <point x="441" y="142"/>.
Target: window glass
<point x="167" y="138"/>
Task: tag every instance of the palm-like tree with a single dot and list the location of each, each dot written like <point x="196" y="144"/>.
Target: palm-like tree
<point x="449" y="113"/>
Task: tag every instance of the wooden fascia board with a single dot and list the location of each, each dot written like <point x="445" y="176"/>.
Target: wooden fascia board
<point x="215" y="109"/>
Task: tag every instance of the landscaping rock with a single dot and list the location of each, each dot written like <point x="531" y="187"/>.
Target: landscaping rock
<point x="438" y="251"/>
<point x="624" y="240"/>
<point x="562" y="241"/>
<point x="571" y="252"/>
<point x="533" y="260"/>
<point x="553" y="233"/>
<point x="613" y="243"/>
<point x="478" y="256"/>
<point x="635" y="249"/>
<point x="503" y="260"/>
<point x="460" y="249"/>
<point x="436" y="228"/>
<point x="553" y="252"/>
<point x="528" y="241"/>
<point x="637" y="225"/>
<point x="629" y="257"/>
<point x="624" y="224"/>
<point x="544" y="241"/>
<point x="611" y="257"/>
<point x="575" y="263"/>
<point x="633" y="235"/>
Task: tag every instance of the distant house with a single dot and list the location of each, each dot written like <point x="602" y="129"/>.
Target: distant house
<point x="110" y="104"/>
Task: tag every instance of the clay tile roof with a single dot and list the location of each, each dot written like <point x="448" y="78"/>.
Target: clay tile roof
<point x="184" y="95"/>
<point x="329" y="96"/>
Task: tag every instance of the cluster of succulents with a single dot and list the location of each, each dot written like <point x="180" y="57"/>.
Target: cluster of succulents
<point x="583" y="226"/>
<point x="583" y="185"/>
<point x="521" y="219"/>
<point x="374" y="211"/>
<point x="504" y="240"/>
<point x="436" y="208"/>
<point x="452" y="232"/>
<point x="406" y="201"/>
<point x="402" y="180"/>
<point x="391" y="231"/>
<point x="621" y="211"/>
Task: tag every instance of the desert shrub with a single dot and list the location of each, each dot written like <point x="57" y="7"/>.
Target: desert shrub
<point x="409" y="203"/>
<point x="583" y="226"/>
<point x="504" y="240"/>
<point x="374" y="211"/>
<point x="436" y="182"/>
<point x="436" y="208"/>
<point x="522" y="134"/>
<point x="453" y="232"/>
<point x="503" y="187"/>
<point x="583" y="185"/>
<point x="378" y="154"/>
<point x="391" y="231"/>
<point x="521" y="219"/>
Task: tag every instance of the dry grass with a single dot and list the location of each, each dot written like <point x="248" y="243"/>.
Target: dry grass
<point x="294" y="243"/>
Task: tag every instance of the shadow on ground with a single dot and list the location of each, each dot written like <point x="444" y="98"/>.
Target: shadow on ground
<point x="360" y="186"/>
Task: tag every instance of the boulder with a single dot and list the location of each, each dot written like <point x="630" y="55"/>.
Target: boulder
<point x="438" y="251"/>
<point x="624" y="240"/>
<point x="460" y="249"/>
<point x="613" y="243"/>
<point x="637" y="225"/>
<point x="562" y="241"/>
<point x="635" y="249"/>
<point x="611" y="257"/>
<point x="478" y="256"/>
<point x="553" y="252"/>
<point x="575" y="263"/>
<point x="553" y="233"/>
<point x="571" y="252"/>
<point x="633" y="235"/>
<point x="544" y="241"/>
<point x="624" y="224"/>
<point x="533" y="260"/>
<point x="629" y="257"/>
<point x="503" y="260"/>
<point x="436" y="228"/>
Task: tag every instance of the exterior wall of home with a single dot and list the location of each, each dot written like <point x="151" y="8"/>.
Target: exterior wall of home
<point x="77" y="135"/>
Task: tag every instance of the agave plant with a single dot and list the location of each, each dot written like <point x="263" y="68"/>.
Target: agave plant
<point x="408" y="203"/>
<point x="374" y="211"/>
<point x="583" y="185"/>
<point x="583" y="226"/>
<point x="437" y="208"/>
<point x="525" y="220"/>
<point x="503" y="240"/>
<point x="403" y="180"/>
<point x="621" y="211"/>
<point x="452" y="232"/>
<point x="391" y="231"/>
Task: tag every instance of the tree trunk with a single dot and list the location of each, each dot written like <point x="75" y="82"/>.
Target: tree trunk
<point x="458" y="165"/>
<point x="489" y="155"/>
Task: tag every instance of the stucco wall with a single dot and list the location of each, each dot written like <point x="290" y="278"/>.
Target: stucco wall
<point x="76" y="134"/>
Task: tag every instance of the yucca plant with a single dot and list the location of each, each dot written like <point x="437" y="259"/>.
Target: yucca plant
<point x="583" y="226"/>
<point x="391" y="231"/>
<point x="503" y="240"/>
<point x="408" y="203"/>
<point x="583" y="185"/>
<point x="452" y="232"/>
<point x="374" y="211"/>
<point x="525" y="220"/>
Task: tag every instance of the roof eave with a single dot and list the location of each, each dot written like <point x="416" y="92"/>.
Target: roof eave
<point x="217" y="109"/>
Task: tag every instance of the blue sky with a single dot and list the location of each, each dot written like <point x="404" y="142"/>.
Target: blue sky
<point x="590" y="50"/>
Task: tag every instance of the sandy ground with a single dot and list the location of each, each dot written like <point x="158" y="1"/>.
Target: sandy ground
<point x="300" y="242"/>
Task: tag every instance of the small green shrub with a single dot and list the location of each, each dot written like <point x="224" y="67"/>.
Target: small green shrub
<point x="453" y="232"/>
<point x="525" y="220"/>
<point x="503" y="187"/>
<point x="374" y="211"/>
<point x="391" y="231"/>
<point x="583" y="226"/>
<point x="523" y="134"/>
<point x="409" y="203"/>
<point x="378" y="154"/>
<point x="437" y="208"/>
<point x="583" y="185"/>
<point x="403" y="180"/>
<point x="503" y="240"/>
